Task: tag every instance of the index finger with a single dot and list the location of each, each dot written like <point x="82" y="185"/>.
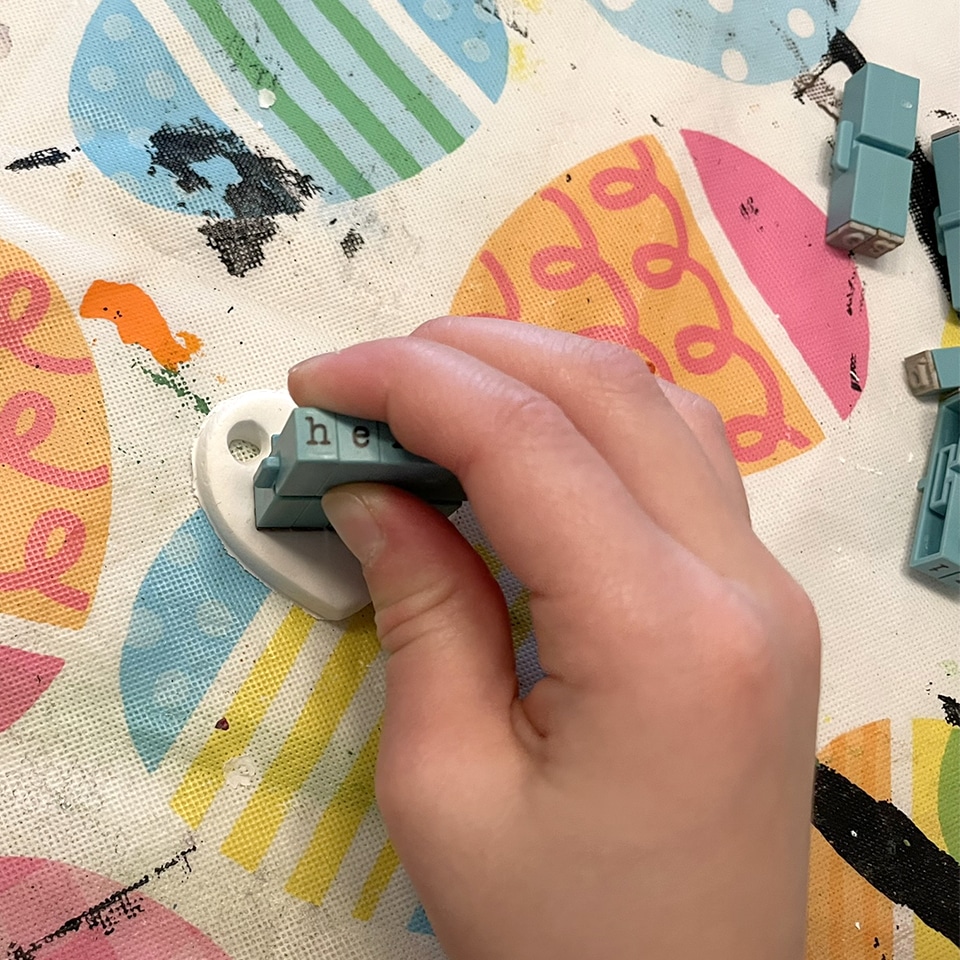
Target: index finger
<point x="552" y="507"/>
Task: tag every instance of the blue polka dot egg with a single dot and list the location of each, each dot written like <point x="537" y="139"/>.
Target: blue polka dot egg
<point x="742" y="40"/>
<point x="353" y="98"/>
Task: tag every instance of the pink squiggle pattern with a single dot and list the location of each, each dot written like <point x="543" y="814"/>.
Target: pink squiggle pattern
<point x="581" y="263"/>
<point x="13" y="330"/>
<point x="586" y="261"/>
<point x="16" y="449"/>
<point x="42" y="572"/>
<point x="508" y="292"/>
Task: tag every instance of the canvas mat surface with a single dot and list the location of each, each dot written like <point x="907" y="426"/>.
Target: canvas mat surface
<point x="196" y="195"/>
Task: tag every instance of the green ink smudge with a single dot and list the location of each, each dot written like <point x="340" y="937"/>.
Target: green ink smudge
<point x="168" y="378"/>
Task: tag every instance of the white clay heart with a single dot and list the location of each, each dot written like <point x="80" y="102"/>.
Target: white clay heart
<point x="312" y="568"/>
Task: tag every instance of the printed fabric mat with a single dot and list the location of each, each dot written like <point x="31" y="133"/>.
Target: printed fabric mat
<point x="196" y="194"/>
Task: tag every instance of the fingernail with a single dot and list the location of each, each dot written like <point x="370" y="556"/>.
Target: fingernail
<point x="354" y="523"/>
<point x="309" y="362"/>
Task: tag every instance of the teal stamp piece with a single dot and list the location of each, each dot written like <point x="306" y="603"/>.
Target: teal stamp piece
<point x="936" y="545"/>
<point x="318" y="450"/>
<point x="871" y="169"/>
<point x="933" y="371"/>
<point x="945" y="148"/>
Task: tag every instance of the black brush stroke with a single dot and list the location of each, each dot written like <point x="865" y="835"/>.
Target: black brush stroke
<point x="843" y="50"/>
<point x="267" y="189"/>
<point x="951" y="710"/>
<point x="923" y="203"/>
<point x="48" y="157"/>
<point x="889" y="851"/>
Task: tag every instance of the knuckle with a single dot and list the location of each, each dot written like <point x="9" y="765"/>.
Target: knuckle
<point x="747" y="647"/>
<point x="706" y="416"/>
<point x="767" y="645"/>
<point x="616" y="368"/>
<point x="532" y="412"/>
<point x="415" y="615"/>
<point x="804" y="623"/>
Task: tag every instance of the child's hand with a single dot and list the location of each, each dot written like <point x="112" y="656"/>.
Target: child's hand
<point x="650" y="798"/>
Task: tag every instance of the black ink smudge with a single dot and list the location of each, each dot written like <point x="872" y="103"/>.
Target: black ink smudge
<point x="946" y="115"/>
<point x="102" y="915"/>
<point x="239" y="241"/>
<point x="267" y="188"/>
<point x="351" y="243"/>
<point x="655" y="120"/>
<point x="889" y="851"/>
<point x="851" y="293"/>
<point x="854" y="379"/>
<point x="810" y="82"/>
<point x="951" y="710"/>
<point x="48" y="157"/>
<point x="490" y="7"/>
<point x="923" y="202"/>
<point x="843" y="50"/>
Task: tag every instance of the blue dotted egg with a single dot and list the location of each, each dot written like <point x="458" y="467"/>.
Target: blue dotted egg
<point x="124" y="89"/>
<point x="331" y="82"/>
<point x="742" y="40"/>
<point x="470" y="34"/>
<point x="191" y="610"/>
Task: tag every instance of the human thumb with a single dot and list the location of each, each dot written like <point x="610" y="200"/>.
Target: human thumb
<point x="443" y="622"/>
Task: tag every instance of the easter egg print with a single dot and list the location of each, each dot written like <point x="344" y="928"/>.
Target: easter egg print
<point x="560" y="260"/>
<point x="742" y="41"/>
<point x="812" y="288"/>
<point x="54" y="452"/>
<point x="191" y="609"/>
<point x="274" y="733"/>
<point x="865" y="853"/>
<point x="337" y="87"/>
<point x="26" y="677"/>
<point x="470" y="34"/>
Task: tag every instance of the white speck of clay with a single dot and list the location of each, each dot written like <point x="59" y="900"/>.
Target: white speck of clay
<point x="266" y="99"/>
<point x="239" y="772"/>
<point x="857" y="924"/>
<point x="853" y="833"/>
